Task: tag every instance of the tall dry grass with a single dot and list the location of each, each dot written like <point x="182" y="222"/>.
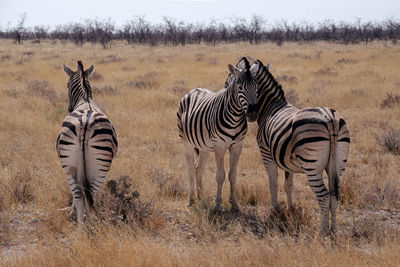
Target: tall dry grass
<point x="139" y="89"/>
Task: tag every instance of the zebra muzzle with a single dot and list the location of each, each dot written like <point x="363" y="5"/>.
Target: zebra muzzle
<point x="251" y="113"/>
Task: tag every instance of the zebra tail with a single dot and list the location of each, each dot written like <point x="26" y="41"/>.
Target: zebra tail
<point x="333" y="178"/>
<point x="88" y="191"/>
<point x="86" y="184"/>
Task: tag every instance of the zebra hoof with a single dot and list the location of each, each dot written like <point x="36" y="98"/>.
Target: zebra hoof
<point x="324" y="233"/>
<point x="72" y="215"/>
<point x="216" y="209"/>
<point x="235" y="208"/>
<point x="191" y="203"/>
<point x="332" y="233"/>
<point x="275" y="210"/>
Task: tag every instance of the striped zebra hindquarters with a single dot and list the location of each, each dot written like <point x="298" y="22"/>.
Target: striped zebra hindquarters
<point x="86" y="145"/>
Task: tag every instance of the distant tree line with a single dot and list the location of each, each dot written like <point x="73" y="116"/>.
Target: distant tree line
<point x="172" y="32"/>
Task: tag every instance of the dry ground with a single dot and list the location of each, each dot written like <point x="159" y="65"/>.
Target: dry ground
<point x="139" y="89"/>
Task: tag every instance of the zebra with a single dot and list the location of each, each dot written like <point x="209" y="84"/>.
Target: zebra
<point x="306" y="141"/>
<point x="86" y="144"/>
<point x="215" y="122"/>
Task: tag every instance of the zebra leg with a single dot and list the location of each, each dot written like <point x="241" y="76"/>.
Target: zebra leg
<point x="87" y="211"/>
<point x="272" y="171"/>
<point x="188" y="151"/>
<point x="220" y="177"/>
<point x="72" y="214"/>
<point x="288" y="186"/>
<point x="333" y="207"/>
<point x="234" y="155"/>
<point x="80" y="205"/>
<point x="203" y="157"/>
<point x="317" y="185"/>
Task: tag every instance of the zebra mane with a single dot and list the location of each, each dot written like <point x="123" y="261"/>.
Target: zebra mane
<point x="84" y="81"/>
<point x="270" y="76"/>
<point x="243" y="64"/>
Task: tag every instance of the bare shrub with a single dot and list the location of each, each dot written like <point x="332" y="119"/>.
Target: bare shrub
<point x="391" y="100"/>
<point x="5" y="58"/>
<point x="298" y="55"/>
<point x="381" y="195"/>
<point x="374" y="227"/>
<point x="357" y="91"/>
<point x="110" y="59"/>
<point x="292" y="97"/>
<point x="12" y="93"/>
<point x="212" y="61"/>
<point x="286" y="78"/>
<point x="106" y="90"/>
<point x="318" y="55"/>
<point x="28" y="53"/>
<point x="345" y="61"/>
<point x="147" y="81"/>
<point x="180" y="87"/>
<point x="44" y="90"/>
<point x="391" y="141"/>
<point x="200" y="57"/>
<point x="168" y="184"/>
<point x="120" y="203"/>
<point x="21" y="187"/>
<point x="96" y="76"/>
<point x="368" y="71"/>
<point x="328" y="71"/>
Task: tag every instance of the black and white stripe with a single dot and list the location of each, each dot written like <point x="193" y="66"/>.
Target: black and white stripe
<point x="86" y="143"/>
<point x="300" y="141"/>
<point x="215" y="122"/>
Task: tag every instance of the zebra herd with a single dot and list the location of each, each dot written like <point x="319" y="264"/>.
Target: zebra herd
<point x="298" y="141"/>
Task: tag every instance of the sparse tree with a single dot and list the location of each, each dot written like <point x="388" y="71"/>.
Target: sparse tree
<point x="256" y="27"/>
<point x="20" y="30"/>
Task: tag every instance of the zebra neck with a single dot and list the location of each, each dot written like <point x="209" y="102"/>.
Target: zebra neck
<point x="271" y="99"/>
<point x="233" y="103"/>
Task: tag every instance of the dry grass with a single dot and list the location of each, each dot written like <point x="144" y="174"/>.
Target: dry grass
<point x="147" y="222"/>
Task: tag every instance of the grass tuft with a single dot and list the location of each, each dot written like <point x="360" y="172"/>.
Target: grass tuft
<point x="390" y="140"/>
<point x="391" y="100"/>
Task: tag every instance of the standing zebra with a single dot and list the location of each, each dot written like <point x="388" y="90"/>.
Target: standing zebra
<point x="300" y="141"/>
<point x="215" y="122"/>
<point x="86" y="144"/>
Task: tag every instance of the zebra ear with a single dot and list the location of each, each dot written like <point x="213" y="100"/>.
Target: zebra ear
<point x="68" y="71"/>
<point x="89" y="71"/>
<point x="235" y="71"/>
<point x="268" y="66"/>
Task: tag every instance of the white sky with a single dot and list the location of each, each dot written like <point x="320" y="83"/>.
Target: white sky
<point x="53" y="12"/>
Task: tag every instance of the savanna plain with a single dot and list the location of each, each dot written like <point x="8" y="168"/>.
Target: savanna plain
<point x="141" y="215"/>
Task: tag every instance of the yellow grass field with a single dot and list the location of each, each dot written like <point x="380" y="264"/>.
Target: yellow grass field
<point x="139" y="89"/>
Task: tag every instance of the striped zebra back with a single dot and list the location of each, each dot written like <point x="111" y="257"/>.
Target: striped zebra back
<point x="286" y="133"/>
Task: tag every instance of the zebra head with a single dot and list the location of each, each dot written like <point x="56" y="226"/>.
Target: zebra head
<point x="246" y="87"/>
<point x="78" y="85"/>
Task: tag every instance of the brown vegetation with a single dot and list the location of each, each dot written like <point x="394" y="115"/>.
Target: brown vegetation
<point x="142" y="218"/>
